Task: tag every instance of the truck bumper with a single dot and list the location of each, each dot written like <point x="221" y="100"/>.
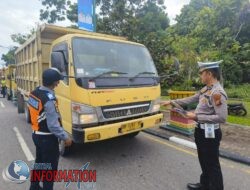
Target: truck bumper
<point x="109" y="131"/>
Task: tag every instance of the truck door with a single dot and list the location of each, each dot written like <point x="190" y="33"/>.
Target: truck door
<point x="63" y="89"/>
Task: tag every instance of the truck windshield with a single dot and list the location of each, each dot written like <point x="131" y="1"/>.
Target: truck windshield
<point x="93" y="58"/>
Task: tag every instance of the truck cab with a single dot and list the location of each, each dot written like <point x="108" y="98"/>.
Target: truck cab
<point x="111" y="87"/>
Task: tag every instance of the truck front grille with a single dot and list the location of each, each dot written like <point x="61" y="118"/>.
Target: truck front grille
<point x="125" y="110"/>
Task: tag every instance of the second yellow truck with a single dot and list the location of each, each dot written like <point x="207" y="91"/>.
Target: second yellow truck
<point x="111" y="86"/>
<point x="11" y="87"/>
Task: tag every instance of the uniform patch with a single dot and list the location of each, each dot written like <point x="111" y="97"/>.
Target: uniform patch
<point x="203" y="90"/>
<point x="204" y="101"/>
<point x="33" y="102"/>
<point x="217" y="99"/>
<point x="209" y="92"/>
<point x="50" y="96"/>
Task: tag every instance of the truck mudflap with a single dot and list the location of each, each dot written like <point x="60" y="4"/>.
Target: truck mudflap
<point x="109" y="131"/>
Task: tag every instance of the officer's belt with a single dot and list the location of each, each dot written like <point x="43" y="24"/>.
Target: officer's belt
<point x="41" y="133"/>
<point x="202" y="125"/>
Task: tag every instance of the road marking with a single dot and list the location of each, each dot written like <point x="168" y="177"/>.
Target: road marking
<point x="229" y="165"/>
<point x="2" y="105"/>
<point x="169" y="145"/>
<point x="183" y="142"/>
<point x="23" y="144"/>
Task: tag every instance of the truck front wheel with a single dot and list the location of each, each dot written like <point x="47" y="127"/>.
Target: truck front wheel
<point x="9" y="96"/>
<point x="27" y="114"/>
<point x="20" y="103"/>
<point x="132" y="135"/>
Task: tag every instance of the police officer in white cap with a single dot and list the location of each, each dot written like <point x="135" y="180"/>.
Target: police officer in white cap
<point x="210" y="112"/>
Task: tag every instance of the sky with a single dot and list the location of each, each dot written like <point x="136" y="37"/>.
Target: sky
<point x="20" y="16"/>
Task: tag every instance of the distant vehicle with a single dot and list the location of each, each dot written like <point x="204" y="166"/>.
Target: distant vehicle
<point x="10" y="82"/>
<point x="111" y="87"/>
<point x="236" y="109"/>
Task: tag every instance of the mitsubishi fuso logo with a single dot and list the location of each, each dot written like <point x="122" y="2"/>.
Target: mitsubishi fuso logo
<point x="128" y="112"/>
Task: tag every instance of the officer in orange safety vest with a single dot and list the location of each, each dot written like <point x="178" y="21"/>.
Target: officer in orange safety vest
<point x="46" y="124"/>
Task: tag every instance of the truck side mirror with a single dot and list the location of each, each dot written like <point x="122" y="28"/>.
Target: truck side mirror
<point x="58" y="61"/>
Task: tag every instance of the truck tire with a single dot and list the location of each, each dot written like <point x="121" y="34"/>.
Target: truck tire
<point x="132" y="135"/>
<point x="242" y="112"/>
<point x="20" y="103"/>
<point x="27" y="114"/>
<point x="9" y="97"/>
<point x="63" y="150"/>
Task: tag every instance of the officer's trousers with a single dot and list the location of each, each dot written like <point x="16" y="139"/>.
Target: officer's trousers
<point x="208" y="154"/>
<point x="3" y="91"/>
<point x="47" y="151"/>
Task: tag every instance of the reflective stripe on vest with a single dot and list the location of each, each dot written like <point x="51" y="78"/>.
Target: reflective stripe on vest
<point x="3" y="83"/>
<point x="36" y="102"/>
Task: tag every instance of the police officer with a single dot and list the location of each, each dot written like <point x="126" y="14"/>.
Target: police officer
<point x="46" y="124"/>
<point x="210" y="112"/>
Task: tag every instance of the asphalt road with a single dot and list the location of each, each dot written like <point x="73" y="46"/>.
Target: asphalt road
<point x="143" y="163"/>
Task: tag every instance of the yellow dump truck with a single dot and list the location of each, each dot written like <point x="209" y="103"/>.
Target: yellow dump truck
<point x="111" y="87"/>
<point x="10" y="82"/>
<point x="2" y="70"/>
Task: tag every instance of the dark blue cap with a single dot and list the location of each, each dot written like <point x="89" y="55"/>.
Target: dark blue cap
<point x="51" y="75"/>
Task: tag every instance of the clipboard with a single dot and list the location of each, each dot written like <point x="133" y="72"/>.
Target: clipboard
<point x="181" y="111"/>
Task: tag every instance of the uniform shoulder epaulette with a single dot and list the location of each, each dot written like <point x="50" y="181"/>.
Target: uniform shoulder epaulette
<point x="220" y="91"/>
<point x="203" y="90"/>
<point x="50" y="96"/>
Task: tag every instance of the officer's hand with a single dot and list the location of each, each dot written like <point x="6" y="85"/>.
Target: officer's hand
<point x="191" y="115"/>
<point x="165" y="103"/>
<point x="68" y="142"/>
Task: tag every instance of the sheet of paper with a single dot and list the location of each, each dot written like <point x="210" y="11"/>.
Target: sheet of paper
<point x="180" y="111"/>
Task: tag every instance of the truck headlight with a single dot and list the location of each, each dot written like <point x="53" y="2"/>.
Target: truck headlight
<point x="156" y="105"/>
<point x="83" y="114"/>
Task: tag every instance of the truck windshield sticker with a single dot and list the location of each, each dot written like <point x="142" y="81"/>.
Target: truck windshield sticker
<point x="91" y="84"/>
<point x="79" y="71"/>
<point x="33" y="102"/>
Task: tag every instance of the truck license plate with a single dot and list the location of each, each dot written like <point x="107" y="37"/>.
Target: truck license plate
<point x="130" y="126"/>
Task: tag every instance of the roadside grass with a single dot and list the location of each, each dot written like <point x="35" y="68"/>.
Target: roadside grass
<point x="240" y="120"/>
<point x="239" y="91"/>
<point x="165" y="98"/>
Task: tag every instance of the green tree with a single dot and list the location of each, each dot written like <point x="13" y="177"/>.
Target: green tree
<point x="221" y="28"/>
<point x="205" y="30"/>
<point x="123" y="17"/>
<point x="21" y="38"/>
<point x="55" y="10"/>
<point x="9" y="57"/>
<point x="138" y="20"/>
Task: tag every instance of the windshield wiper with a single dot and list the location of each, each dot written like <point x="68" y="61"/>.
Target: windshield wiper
<point x="109" y="72"/>
<point x="142" y="73"/>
